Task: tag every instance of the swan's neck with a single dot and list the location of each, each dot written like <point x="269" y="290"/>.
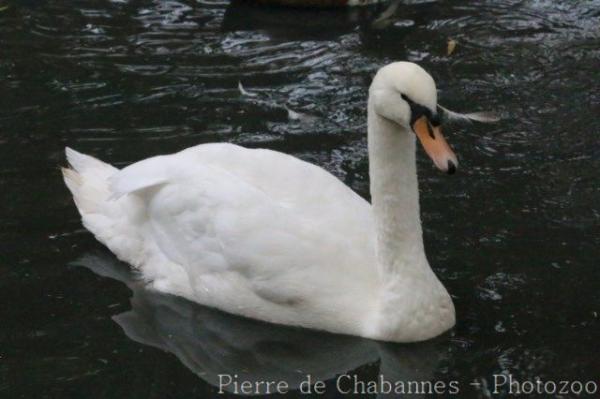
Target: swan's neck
<point x="395" y="197"/>
<point x="413" y="305"/>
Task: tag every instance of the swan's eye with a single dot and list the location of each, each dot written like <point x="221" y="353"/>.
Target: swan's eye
<point x="418" y="110"/>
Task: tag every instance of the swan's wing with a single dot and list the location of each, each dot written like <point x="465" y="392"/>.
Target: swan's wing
<point x="302" y="187"/>
<point x="253" y="221"/>
<point x="140" y="176"/>
<point x="305" y="189"/>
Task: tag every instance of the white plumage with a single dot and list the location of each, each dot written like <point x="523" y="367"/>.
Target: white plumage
<point x="265" y="235"/>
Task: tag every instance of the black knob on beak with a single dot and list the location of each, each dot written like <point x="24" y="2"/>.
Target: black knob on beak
<point x="451" y="168"/>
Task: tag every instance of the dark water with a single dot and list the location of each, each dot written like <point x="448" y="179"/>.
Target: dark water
<point x="514" y="236"/>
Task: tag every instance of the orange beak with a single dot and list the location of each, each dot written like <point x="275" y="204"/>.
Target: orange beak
<point x="435" y="145"/>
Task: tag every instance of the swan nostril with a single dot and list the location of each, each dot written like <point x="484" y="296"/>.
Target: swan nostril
<point x="451" y="167"/>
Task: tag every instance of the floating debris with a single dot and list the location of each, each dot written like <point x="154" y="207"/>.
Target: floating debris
<point x="499" y="327"/>
<point x="244" y="92"/>
<point x="300" y="116"/>
<point x="293" y="115"/>
<point x="386" y="17"/>
<point x="483" y="116"/>
<point x="451" y="46"/>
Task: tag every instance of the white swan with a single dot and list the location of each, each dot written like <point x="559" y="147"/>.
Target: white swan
<point x="265" y="235"/>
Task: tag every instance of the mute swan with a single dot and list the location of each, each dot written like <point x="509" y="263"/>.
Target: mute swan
<point x="265" y="235"/>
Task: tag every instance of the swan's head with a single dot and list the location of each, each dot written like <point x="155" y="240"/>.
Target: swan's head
<point x="404" y="93"/>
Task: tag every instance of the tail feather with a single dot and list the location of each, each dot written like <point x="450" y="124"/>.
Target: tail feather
<point x="72" y="179"/>
<point x="87" y="179"/>
<point x="82" y="163"/>
<point x="108" y="219"/>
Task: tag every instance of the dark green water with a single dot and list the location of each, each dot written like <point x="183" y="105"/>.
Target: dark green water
<point x="514" y="235"/>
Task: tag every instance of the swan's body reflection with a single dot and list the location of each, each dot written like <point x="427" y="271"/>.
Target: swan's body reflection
<point x="212" y="343"/>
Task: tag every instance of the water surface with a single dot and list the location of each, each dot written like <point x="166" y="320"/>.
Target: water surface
<point x="514" y="235"/>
